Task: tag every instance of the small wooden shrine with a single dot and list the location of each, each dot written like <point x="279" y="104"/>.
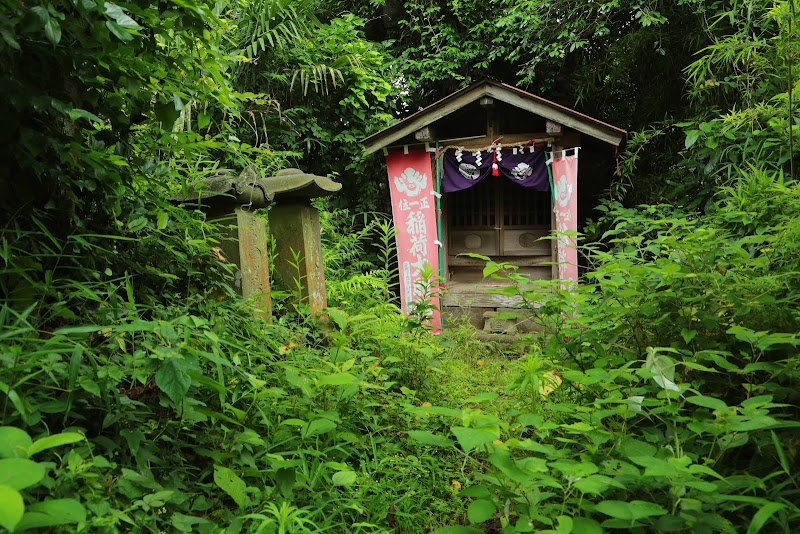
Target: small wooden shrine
<point x="492" y="170"/>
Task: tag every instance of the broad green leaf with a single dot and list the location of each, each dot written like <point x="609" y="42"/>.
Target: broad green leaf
<point x="294" y="378"/>
<point x="286" y="478"/>
<point x="481" y="397"/>
<point x="631" y="447"/>
<point x="663" y="369"/>
<point x="728" y="441"/>
<point x="14" y="442"/>
<point x="188" y="523"/>
<point x="564" y="525"/>
<point x="317" y="427"/>
<point x="634" y="403"/>
<point x="585" y="525"/>
<point x="128" y="23"/>
<point x="51" y="513"/>
<point x="85" y="329"/>
<point x="122" y="19"/>
<point x="481" y="510"/>
<point x="670" y="523"/>
<point x="41" y="13"/>
<point x="89" y="386"/>
<point x="596" y="484"/>
<point x="654" y="467"/>
<point x="476" y="491"/>
<point x="688" y="335"/>
<point x="8" y="37"/>
<point x="337" y="379"/>
<point x="162" y="219"/>
<point x="293" y="422"/>
<point x="52" y="31"/>
<point x="745" y="334"/>
<point x="574" y="469"/>
<point x="159" y="498"/>
<point x="629" y="511"/>
<point x="338" y="316"/>
<point x="748" y="424"/>
<point x="691" y="137"/>
<point x="28" y="415"/>
<point x="113" y="10"/>
<point x="56" y="440"/>
<point x="343" y="478"/>
<point x="137" y="224"/>
<point x="165" y="111"/>
<point x="230" y="483"/>
<point x="19" y="473"/>
<point x="203" y="120"/>
<point x="429" y="438"/>
<point x="11" y="507"/>
<point x="76" y="114"/>
<point x="472" y="438"/>
<point x="491" y="268"/>
<point x="173" y="379"/>
<point x="707" y="402"/>
<point x="436" y="410"/>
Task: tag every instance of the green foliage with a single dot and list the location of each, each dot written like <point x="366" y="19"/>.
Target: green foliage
<point x="678" y="405"/>
<point x="20" y="473"/>
<point x="118" y="320"/>
<point x="139" y="394"/>
<point x="359" y="258"/>
<point x="334" y="88"/>
<point x="81" y="79"/>
<point x="185" y="413"/>
<point x="740" y="83"/>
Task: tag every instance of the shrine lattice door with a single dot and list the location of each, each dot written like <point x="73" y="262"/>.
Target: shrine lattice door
<point x="497" y="218"/>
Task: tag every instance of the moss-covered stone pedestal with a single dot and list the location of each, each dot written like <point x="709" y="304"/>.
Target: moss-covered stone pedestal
<point x="245" y="244"/>
<point x="231" y="201"/>
<point x="294" y="226"/>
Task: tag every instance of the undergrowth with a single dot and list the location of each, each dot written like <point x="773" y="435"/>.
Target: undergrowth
<point x="194" y="416"/>
<point x="676" y="407"/>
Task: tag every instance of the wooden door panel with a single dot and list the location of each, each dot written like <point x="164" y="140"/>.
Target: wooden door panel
<point x="526" y="242"/>
<point x="476" y="241"/>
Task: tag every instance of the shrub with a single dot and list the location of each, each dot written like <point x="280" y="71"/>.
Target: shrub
<point x="678" y="408"/>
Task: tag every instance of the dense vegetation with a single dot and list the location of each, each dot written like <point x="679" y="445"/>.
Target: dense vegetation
<point x="139" y="394"/>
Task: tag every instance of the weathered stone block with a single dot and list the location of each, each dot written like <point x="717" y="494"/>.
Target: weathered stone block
<point x="245" y="244"/>
<point x="298" y="246"/>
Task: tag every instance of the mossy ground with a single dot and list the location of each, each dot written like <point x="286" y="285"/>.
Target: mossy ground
<point x="471" y="367"/>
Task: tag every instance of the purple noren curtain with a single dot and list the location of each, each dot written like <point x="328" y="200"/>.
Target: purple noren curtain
<point x="463" y="169"/>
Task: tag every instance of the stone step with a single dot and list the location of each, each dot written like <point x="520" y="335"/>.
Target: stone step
<point x="496" y="325"/>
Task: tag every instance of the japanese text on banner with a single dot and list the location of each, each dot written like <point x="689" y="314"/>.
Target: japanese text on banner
<point x="413" y="209"/>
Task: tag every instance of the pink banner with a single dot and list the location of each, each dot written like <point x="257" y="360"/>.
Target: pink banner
<point x="565" y="192"/>
<point x="414" y="211"/>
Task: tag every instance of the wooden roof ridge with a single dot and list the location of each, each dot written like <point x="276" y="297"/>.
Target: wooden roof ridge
<point x="505" y="93"/>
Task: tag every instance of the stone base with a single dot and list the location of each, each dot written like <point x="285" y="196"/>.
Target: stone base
<point x="496" y="325"/>
<point x="455" y="316"/>
<point x="520" y="321"/>
<point x="523" y="320"/>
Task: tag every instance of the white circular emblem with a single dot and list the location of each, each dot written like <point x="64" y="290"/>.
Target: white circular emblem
<point x="521" y="171"/>
<point x="469" y="171"/>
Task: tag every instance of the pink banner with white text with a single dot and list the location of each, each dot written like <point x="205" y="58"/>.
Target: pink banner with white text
<point x="565" y="201"/>
<point x="414" y="211"/>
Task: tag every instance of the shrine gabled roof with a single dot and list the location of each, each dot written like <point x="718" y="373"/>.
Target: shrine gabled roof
<point x="503" y="93"/>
